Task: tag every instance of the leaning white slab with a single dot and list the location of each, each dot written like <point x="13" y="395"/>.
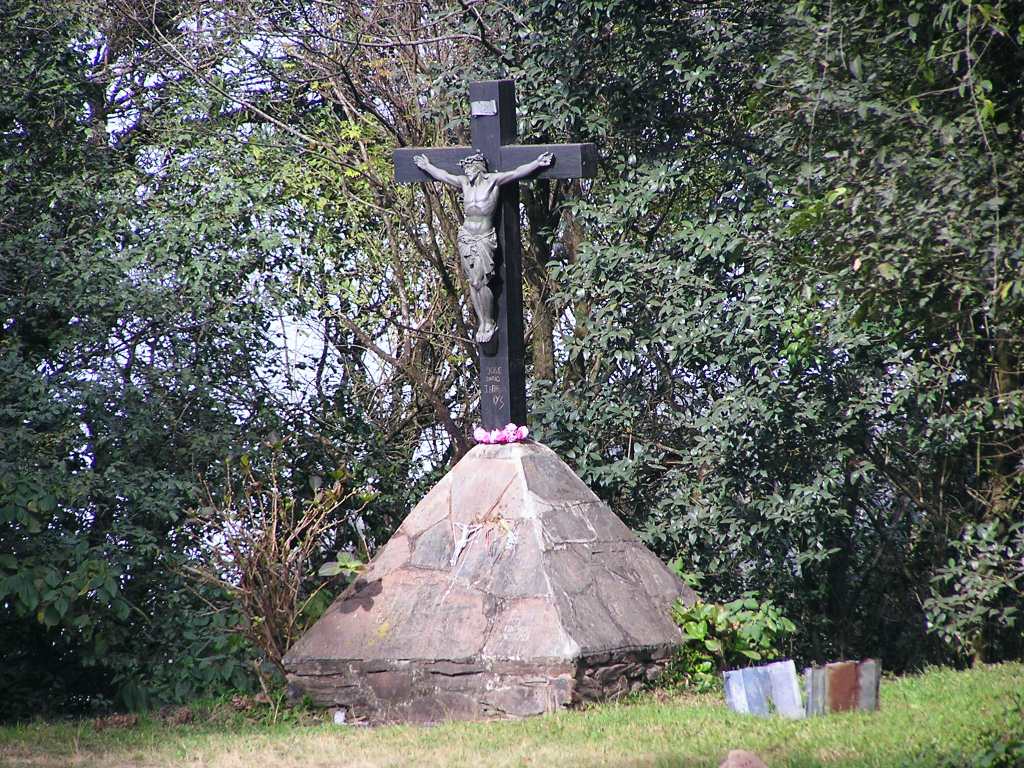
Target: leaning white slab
<point x="765" y="690"/>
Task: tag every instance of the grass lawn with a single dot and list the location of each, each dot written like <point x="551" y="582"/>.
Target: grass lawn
<point x="926" y="720"/>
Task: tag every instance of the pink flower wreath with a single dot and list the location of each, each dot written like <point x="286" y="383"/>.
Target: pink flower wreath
<point x="510" y="434"/>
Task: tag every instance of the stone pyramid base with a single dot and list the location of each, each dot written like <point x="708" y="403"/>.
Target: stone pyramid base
<point x="424" y="692"/>
<point x="510" y="590"/>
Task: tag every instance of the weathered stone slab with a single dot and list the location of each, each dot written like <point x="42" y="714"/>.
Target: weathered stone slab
<point x="406" y="614"/>
<point x="500" y="560"/>
<point x="394" y="554"/>
<point x="528" y="628"/>
<point x="550" y="479"/>
<point x="656" y="578"/>
<point x="842" y="686"/>
<point x="434" y="547"/>
<point x="483" y="489"/>
<point x="510" y="590"/>
<point x="814" y="688"/>
<point x="433" y="507"/>
<point x="869" y="674"/>
<point x="580" y="522"/>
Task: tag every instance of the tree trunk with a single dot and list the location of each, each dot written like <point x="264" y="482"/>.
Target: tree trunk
<point x="543" y="215"/>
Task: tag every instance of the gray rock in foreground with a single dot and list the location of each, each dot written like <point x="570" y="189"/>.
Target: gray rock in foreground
<point x="741" y="758"/>
<point x="510" y="590"/>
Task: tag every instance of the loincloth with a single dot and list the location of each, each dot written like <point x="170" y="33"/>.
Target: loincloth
<point x="477" y="254"/>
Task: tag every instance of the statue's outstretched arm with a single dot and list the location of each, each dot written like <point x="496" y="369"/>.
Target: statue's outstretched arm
<point x="543" y="161"/>
<point x="424" y="164"/>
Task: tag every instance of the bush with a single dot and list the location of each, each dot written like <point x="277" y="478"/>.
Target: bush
<point x="719" y="636"/>
<point x="976" y="596"/>
<point x="262" y="549"/>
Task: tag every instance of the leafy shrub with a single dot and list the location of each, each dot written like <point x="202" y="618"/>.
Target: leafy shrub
<point x="186" y="651"/>
<point x="719" y="636"/>
<point x="262" y="545"/>
<point x="976" y="596"/>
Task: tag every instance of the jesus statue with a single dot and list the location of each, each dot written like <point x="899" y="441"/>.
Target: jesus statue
<point x="477" y="238"/>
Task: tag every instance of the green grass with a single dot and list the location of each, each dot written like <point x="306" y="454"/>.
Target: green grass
<point x="926" y="720"/>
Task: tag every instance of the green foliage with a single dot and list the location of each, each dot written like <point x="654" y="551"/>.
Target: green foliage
<point x="260" y="546"/>
<point x="345" y="564"/>
<point x="161" y="256"/>
<point x="128" y="350"/>
<point x="781" y="333"/>
<point x="184" y="651"/>
<point x="718" y="636"/>
<point x="787" y="355"/>
<point x="977" y="596"/>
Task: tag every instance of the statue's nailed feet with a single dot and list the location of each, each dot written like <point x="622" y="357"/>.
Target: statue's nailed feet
<point x="486" y="331"/>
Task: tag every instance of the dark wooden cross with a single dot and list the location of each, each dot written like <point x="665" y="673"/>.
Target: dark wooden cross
<point x="492" y="131"/>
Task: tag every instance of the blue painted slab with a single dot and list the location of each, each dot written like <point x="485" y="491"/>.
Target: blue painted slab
<point x="759" y="691"/>
<point x="748" y="691"/>
<point x="869" y="674"/>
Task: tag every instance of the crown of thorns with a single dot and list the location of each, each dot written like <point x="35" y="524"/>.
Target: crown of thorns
<point x="476" y="157"/>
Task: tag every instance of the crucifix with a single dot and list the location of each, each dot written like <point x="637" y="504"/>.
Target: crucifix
<point x="489" y="245"/>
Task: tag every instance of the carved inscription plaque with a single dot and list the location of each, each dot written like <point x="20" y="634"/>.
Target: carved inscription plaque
<point x="494" y="384"/>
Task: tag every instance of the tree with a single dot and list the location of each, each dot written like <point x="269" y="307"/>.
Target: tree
<point x="780" y="333"/>
<point x="823" y="387"/>
<point x="129" y="350"/>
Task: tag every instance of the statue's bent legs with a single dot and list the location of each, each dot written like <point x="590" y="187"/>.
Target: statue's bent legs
<point x="476" y="253"/>
<point x="483" y="303"/>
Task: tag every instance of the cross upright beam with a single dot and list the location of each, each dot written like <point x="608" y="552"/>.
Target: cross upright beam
<point x="502" y="374"/>
<point x="493" y="131"/>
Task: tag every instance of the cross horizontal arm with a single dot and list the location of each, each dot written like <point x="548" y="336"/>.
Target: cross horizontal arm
<point x="571" y="161"/>
<point x="445" y="158"/>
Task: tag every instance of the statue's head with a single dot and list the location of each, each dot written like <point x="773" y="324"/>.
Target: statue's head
<point x="474" y="165"/>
